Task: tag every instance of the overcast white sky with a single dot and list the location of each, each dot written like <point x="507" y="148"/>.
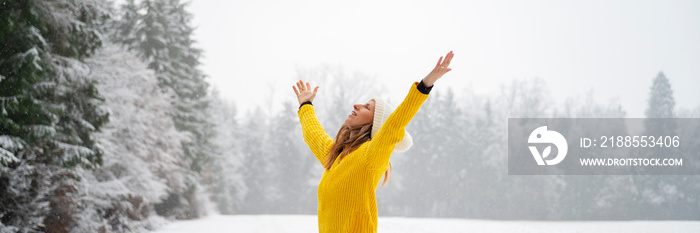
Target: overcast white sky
<point x="252" y="48"/>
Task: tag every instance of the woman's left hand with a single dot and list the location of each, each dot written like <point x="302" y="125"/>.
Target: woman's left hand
<point x="441" y="68"/>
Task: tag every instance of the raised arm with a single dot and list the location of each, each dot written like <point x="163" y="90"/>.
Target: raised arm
<point x="393" y="129"/>
<point x="315" y="137"/>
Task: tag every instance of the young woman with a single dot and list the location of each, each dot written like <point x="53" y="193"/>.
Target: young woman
<point x="355" y="161"/>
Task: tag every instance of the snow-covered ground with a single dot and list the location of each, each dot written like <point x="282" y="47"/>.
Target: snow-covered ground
<point x="307" y="223"/>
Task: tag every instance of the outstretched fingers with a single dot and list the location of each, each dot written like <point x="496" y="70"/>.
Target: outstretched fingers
<point x="300" y="85"/>
<point x="448" y="59"/>
<point x="440" y="69"/>
<point x="301" y="88"/>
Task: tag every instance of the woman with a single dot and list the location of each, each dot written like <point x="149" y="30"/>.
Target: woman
<point x="346" y="194"/>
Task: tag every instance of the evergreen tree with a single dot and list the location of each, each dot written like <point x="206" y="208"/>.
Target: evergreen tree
<point x="49" y="111"/>
<point x="163" y="37"/>
<point x="142" y="147"/>
<point x="660" y="105"/>
<point x="125" y="27"/>
<point x="255" y="147"/>
<point x="225" y="179"/>
<point x="658" y="190"/>
<point x="291" y="174"/>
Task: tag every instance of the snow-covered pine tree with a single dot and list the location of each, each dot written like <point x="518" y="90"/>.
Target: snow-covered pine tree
<point x="661" y="104"/>
<point x="142" y="148"/>
<point x="263" y="165"/>
<point x="163" y="37"/>
<point x="49" y="111"/>
<point x="225" y="179"/>
<point x="255" y="148"/>
<point x="292" y="162"/>
<point x="24" y="123"/>
<point x="124" y="28"/>
<point x="656" y="190"/>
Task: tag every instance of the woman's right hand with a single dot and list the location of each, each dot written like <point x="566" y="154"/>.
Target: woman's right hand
<point x="304" y="93"/>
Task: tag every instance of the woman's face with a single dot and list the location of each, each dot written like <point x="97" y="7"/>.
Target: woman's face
<point x="361" y="114"/>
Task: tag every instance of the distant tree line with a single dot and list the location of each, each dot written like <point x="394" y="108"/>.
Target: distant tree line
<point x="458" y="165"/>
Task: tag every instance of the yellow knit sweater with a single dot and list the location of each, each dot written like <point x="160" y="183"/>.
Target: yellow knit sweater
<point x="346" y="194"/>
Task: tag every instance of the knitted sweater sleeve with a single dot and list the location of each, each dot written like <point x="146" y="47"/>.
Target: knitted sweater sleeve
<point x="392" y="131"/>
<point x="315" y="137"/>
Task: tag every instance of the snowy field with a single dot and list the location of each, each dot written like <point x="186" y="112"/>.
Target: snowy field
<point x="307" y="223"/>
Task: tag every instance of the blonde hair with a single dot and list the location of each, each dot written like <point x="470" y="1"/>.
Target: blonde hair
<point x="348" y="140"/>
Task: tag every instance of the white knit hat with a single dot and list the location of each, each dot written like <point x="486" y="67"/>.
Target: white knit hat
<point x="382" y="110"/>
